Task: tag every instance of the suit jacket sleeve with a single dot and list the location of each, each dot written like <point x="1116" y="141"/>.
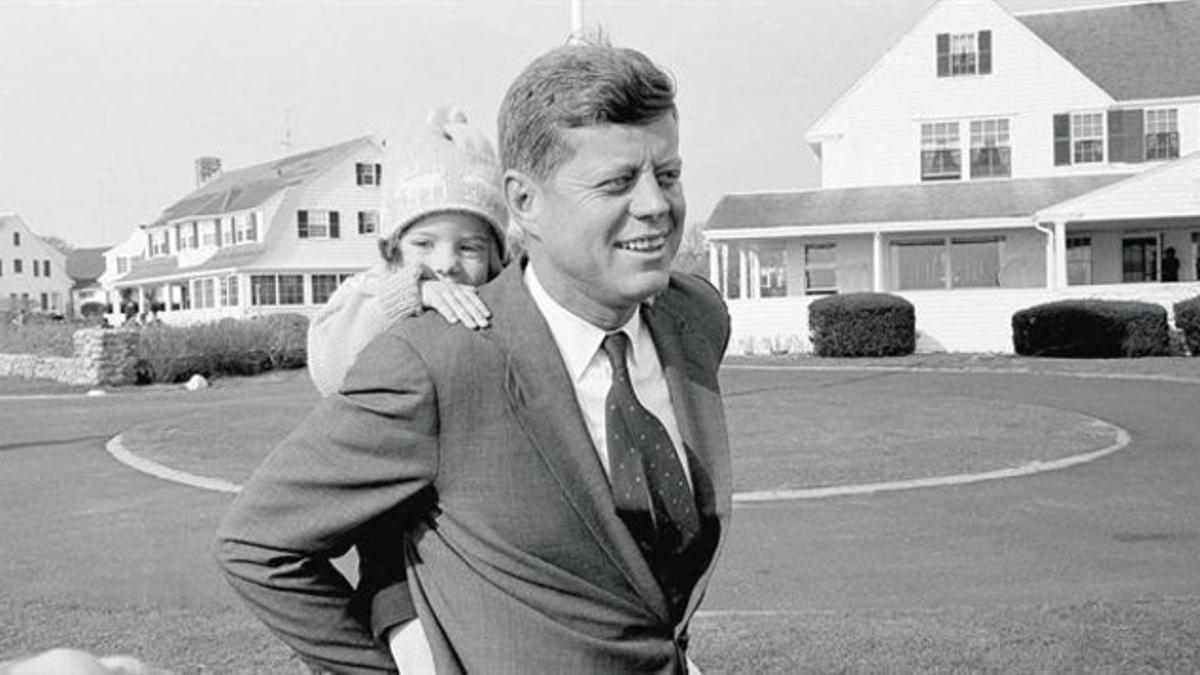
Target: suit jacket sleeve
<point x="358" y="458"/>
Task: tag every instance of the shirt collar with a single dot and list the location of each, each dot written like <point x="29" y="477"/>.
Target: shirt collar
<point x="578" y="341"/>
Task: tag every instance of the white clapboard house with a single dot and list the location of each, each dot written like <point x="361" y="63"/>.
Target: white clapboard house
<point x="987" y="162"/>
<point x="33" y="274"/>
<point x="270" y="238"/>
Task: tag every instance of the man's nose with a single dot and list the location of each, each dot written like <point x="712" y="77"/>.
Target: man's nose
<point x="648" y="202"/>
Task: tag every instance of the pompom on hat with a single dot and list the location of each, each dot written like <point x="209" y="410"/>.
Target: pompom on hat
<point x="446" y="166"/>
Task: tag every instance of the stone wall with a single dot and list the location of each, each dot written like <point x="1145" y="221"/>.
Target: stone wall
<point x="103" y="356"/>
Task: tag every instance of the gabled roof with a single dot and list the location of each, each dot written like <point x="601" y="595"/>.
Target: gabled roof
<point x="249" y="187"/>
<point x="926" y="202"/>
<point x="85" y="265"/>
<point x="168" y="266"/>
<point x="1136" y="51"/>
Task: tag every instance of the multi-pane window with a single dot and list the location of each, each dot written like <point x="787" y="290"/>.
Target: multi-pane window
<point x="991" y="152"/>
<point x="964" y="53"/>
<point x="291" y="289"/>
<point x="367" y="174"/>
<point x="17" y="265"/>
<point x="941" y="153"/>
<point x="203" y="296"/>
<point x="317" y="224"/>
<point x="1162" y="134"/>
<point x="1079" y="261"/>
<point x="228" y="287"/>
<point x="262" y="289"/>
<point x="1087" y="138"/>
<point x="368" y="222"/>
<point x="820" y="269"/>
<point x="212" y="232"/>
<point x="247" y="227"/>
<point x="323" y="286"/>
<point x="122" y="265"/>
<point x="919" y="264"/>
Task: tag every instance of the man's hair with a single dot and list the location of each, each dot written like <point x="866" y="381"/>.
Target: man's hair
<point x="577" y="85"/>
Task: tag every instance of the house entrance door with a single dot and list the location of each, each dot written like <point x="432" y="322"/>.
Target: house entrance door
<point x="1139" y="259"/>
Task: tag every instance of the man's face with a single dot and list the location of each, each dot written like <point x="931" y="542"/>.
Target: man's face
<point x="608" y="221"/>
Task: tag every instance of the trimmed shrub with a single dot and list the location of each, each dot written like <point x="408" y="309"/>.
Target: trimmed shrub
<point x="226" y="347"/>
<point x="862" y="324"/>
<point x="38" y="334"/>
<point x="1091" y="329"/>
<point x="1187" y="320"/>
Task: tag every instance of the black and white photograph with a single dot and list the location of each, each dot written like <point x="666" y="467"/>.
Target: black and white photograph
<point x="675" y="337"/>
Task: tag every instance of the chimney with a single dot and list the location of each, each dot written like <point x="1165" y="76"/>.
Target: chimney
<point x="206" y="169"/>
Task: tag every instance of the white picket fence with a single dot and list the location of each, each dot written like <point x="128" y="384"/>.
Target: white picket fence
<point x="962" y="320"/>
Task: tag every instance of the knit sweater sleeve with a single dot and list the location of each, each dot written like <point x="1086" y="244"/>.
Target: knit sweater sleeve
<point x="364" y="306"/>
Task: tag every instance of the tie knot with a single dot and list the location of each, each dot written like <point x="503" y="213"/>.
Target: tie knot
<point x="614" y="346"/>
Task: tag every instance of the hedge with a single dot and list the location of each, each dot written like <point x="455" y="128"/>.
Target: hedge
<point x="225" y="347"/>
<point x="1187" y="320"/>
<point x="862" y="324"/>
<point x="1091" y="329"/>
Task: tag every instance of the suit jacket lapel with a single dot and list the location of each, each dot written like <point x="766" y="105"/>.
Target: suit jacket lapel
<point x="542" y="398"/>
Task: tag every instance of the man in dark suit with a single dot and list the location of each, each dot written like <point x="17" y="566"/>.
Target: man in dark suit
<point x="564" y="474"/>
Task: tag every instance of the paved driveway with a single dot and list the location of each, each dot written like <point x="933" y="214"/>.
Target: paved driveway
<point x="83" y="535"/>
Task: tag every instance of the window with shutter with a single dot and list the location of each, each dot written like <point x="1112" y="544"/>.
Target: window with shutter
<point x="1162" y="134"/>
<point x="964" y="53"/>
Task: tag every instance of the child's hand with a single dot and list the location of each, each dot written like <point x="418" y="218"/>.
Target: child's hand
<point x="455" y="302"/>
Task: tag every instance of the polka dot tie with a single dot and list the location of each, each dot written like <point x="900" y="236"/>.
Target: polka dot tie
<point x="648" y="481"/>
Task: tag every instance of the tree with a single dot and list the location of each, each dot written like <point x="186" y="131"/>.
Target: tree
<point x="59" y="244"/>
<point x="693" y="254"/>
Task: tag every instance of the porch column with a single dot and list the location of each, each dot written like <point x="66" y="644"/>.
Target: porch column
<point x="714" y="266"/>
<point x="755" y="275"/>
<point x="1060" y="254"/>
<point x="141" y="301"/>
<point x="743" y="273"/>
<point x="723" y="254"/>
<point x="877" y="262"/>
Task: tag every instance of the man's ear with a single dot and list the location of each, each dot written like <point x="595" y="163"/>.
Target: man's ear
<point x="523" y="196"/>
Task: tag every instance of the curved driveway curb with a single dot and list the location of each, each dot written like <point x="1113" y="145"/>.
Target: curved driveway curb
<point x="119" y="452"/>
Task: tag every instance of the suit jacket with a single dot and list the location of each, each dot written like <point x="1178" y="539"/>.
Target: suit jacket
<point x="518" y="561"/>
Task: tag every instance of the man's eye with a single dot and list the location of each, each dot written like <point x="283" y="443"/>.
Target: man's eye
<point x="668" y="178"/>
<point x="617" y="184"/>
<point x="421" y="243"/>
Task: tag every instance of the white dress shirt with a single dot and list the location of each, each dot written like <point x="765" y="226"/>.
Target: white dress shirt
<point x="591" y="373"/>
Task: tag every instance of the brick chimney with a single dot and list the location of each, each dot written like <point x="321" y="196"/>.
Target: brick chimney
<point x="206" y="169"/>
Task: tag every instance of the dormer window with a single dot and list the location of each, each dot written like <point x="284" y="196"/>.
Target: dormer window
<point x="960" y="54"/>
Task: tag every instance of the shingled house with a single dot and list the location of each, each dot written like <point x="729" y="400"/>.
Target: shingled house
<point x="987" y="162"/>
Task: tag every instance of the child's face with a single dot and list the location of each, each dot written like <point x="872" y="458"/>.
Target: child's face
<point x="454" y="246"/>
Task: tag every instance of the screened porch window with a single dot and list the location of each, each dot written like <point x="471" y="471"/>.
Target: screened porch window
<point x="1079" y="261"/>
<point x="940" y="263"/>
<point x="1139" y="259"/>
<point x="772" y="273"/>
<point x="820" y="269"/>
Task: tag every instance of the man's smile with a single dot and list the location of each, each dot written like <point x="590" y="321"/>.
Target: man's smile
<point x="649" y="244"/>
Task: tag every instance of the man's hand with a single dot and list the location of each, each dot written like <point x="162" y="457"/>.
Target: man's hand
<point x="455" y="302"/>
<point x="410" y="650"/>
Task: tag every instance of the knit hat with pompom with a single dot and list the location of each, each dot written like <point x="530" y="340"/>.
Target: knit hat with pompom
<point x="446" y="166"/>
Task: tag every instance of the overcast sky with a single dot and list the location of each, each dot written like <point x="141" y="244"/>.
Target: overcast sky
<point x="104" y="105"/>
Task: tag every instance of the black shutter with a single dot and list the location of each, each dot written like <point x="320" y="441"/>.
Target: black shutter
<point x="943" y="54"/>
<point x="334" y="231"/>
<point x="1062" y="139"/>
<point x="1126" y="141"/>
<point x="379" y="174"/>
<point x="985" y="52"/>
<point x="302" y="224"/>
